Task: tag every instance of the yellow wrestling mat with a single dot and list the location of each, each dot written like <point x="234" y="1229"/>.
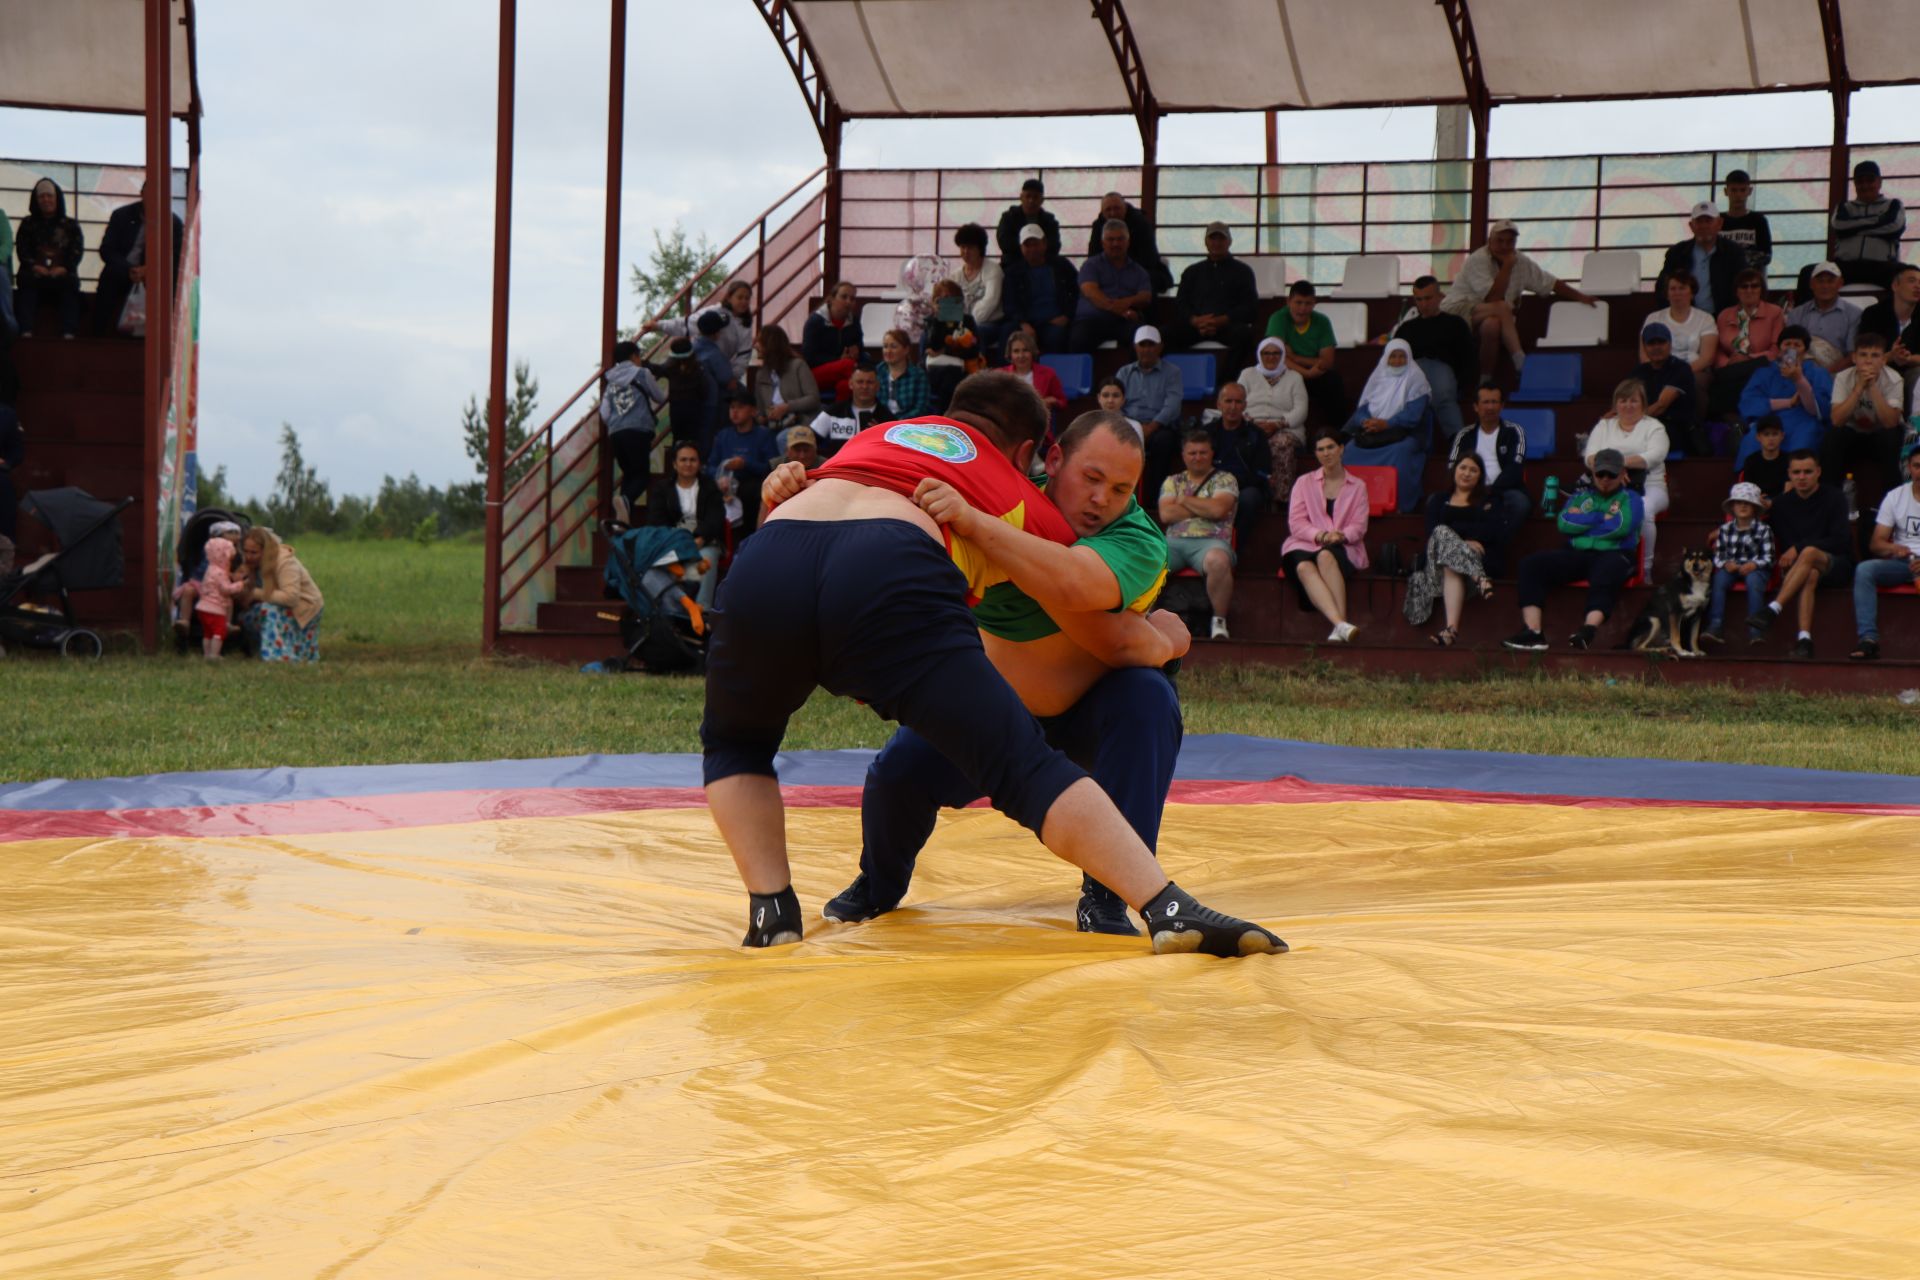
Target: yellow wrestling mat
<point x="1513" y="1040"/>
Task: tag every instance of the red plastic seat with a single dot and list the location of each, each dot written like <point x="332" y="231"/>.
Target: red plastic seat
<point x="1383" y="488"/>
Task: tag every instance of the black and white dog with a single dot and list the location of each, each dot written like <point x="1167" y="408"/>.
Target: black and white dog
<point x="1677" y="610"/>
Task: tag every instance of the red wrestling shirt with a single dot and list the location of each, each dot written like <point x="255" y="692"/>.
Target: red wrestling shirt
<point x="897" y="456"/>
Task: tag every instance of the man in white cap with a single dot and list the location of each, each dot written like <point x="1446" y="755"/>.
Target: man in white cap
<point x="1154" y="395"/>
<point x="1041" y="292"/>
<point x="1486" y="293"/>
<point x="1831" y="322"/>
<point x="1713" y="261"/>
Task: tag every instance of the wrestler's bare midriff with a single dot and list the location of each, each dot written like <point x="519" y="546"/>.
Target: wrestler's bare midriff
<point x="828" y="499"/>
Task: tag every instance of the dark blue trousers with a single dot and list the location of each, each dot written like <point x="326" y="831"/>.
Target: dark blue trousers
<point x="1125" y="732"/>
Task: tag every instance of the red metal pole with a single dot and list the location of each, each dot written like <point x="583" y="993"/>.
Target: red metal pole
<point x="1480" y="204"/>
<point x="159" y="281"/>
<point x="616" y="135"/>
<point x="610" y="284"/>
<point x="497" y="382"/>
<point x="1840" y="156"/>
<point x="830" y="206"/>
<point x="1270" y="180"/>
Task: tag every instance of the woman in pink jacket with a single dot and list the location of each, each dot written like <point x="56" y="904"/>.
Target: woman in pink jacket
<point x="1326" y="536"/>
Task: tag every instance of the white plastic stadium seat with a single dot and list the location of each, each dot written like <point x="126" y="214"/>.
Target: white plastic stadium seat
<point x="1575" y="324"/>
<point x="1370" y="275"/>
<point x="1349" y="321"/>
<point x="1610" y="273"/>
<point x="1270" y="276"/>
<point x="875" y="319"/>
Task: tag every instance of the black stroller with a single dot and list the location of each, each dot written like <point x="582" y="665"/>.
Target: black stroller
<point x="191" y="552"/>
<point x="89" y="559"/>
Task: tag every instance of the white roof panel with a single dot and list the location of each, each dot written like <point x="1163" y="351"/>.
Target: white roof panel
<point x="85" y="55"/>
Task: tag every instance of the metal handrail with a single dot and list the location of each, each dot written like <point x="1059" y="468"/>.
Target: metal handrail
<point x="680" y="297"/>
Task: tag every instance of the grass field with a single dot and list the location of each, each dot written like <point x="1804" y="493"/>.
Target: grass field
<point x="401" y="681"/>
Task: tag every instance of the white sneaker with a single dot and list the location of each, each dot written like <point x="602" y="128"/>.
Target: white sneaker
<point x="1342" y="633"/>
<point x="1219" y="630"/>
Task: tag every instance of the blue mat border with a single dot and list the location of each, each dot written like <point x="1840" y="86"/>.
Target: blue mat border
<point x="1211" y="757"/>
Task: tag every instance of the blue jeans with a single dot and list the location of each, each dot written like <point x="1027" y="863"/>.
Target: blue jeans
<point x="1446" y="397"/>
<point x="1723" y="582"/>
<point x="1125" y="731"/>
<point x="1868" y="577"/>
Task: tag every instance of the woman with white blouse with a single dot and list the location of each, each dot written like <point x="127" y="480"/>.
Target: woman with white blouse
<point x="1643" y="441"/>
<point x="1277" y="405"/>
<point x="1696" y="335"/>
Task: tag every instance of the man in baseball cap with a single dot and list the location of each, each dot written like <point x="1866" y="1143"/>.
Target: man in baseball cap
<point x="1602" y="525"/>
<point x="1486" y="294"/>
<point x="1154" y="395"/>
<point x="1218" y="302"/>
<point x="1712" y="261"/>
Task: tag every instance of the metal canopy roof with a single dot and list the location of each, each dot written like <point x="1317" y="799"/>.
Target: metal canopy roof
<point x="89" y="55"/>
<point x="917" y="58"/>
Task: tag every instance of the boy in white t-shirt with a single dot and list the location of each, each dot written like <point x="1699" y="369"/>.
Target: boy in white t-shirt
<point x="1896" y="551"/>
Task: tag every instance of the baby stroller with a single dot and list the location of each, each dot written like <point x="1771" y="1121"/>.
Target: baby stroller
<point x="192" y="557"/>
<point x="87" y="532"/>
<point x="662" y="628"/>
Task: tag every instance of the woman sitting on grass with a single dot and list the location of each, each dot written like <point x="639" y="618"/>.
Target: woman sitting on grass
<point x="1464" y="534"/>
<point x="281" y="603"/>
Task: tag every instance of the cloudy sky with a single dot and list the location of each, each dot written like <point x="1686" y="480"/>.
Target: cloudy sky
<point x="348" y="192"/>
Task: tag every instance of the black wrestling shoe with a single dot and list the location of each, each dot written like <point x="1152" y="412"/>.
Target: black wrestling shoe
<point x="855" y="903"/>
<point x="1178" y="923"/>
<point x="773" y="919"/>
<point x="1102" y="911"/>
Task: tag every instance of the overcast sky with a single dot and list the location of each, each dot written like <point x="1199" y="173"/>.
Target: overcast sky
<point x="348" y="192"/>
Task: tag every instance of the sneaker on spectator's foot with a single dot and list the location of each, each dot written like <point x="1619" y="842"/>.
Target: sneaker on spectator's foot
<point x="1802" y="648"/>
<point x="1219" y="630"/>
<point x="1527" y="641"/>
<point x="855" y="903"/>
<point x="1866" y="650"/>
<point x="1583" y="638"/>
<point x="1102" y="911"/>
<point x="1712" y="636"/>
<point x="773" y="919"/>
<point x="1761" y="622"/>
<point x="1178" y="923"/>
<point x="1342" y="633"/>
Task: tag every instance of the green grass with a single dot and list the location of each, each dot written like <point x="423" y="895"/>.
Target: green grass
<point x="401" y="681"/>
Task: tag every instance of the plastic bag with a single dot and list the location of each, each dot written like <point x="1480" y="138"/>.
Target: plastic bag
<point x="133" y="316"/>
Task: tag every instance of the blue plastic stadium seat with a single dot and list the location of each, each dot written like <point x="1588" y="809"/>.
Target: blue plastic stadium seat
<point x="1196" y="374"/>
<point x="1538" y="424"/>
<point x="1076" y="373"/>
<point x="1550" y="378"/>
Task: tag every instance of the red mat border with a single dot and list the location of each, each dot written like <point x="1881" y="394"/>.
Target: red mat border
<point x="438" y="808"/>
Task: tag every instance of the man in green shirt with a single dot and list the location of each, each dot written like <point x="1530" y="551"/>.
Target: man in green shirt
<point x="1310" y="346"/>
<point x="1046" y="631"/>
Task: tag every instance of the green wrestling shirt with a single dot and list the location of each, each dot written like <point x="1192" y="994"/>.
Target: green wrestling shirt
<point x="1134" y="547"/>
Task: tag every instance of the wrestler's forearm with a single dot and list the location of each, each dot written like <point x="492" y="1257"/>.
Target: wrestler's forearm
<point x="1060" y="579"/>
<point x="1118" y="639"/>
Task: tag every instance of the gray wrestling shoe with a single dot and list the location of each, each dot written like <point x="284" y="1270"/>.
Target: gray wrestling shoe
<point x="1178" y="923"/>
<point x="855" y="903"/>
<point x="1102" y="911"/>
<point x="773" y="919"/>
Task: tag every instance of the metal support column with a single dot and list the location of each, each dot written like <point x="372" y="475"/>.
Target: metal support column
<point x="497" y="380"/>
<point x="160" y="283"/>
<point x="616" y="140"/>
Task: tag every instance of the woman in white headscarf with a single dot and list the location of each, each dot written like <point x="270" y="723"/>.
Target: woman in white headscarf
<point x="1277" y="404"/>
<point x="1393" y="420"/>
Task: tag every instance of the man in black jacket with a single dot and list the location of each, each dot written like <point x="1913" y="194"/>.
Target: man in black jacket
<point x="1713" y="261"/>
<point x="1218" y="298"/>
<point x="1443" y="347"/>
<point x="1041" y="292"/>
<point x="1033" y="194"/>
<point x="1502" y="449"/>
<point x="123" y="260"/>
<point x="1141" y="245"/>
<point x="1898" y="321"/>
<point x="1815" y="545"/>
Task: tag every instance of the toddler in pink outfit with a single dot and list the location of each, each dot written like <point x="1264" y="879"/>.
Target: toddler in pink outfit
<point x="217" y="590"/>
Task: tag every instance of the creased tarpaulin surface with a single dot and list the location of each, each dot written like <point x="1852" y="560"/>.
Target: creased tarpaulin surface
<point x="1523" y="1040"/>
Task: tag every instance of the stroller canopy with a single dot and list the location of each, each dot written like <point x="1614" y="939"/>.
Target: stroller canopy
<point x="88" y="531"/>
